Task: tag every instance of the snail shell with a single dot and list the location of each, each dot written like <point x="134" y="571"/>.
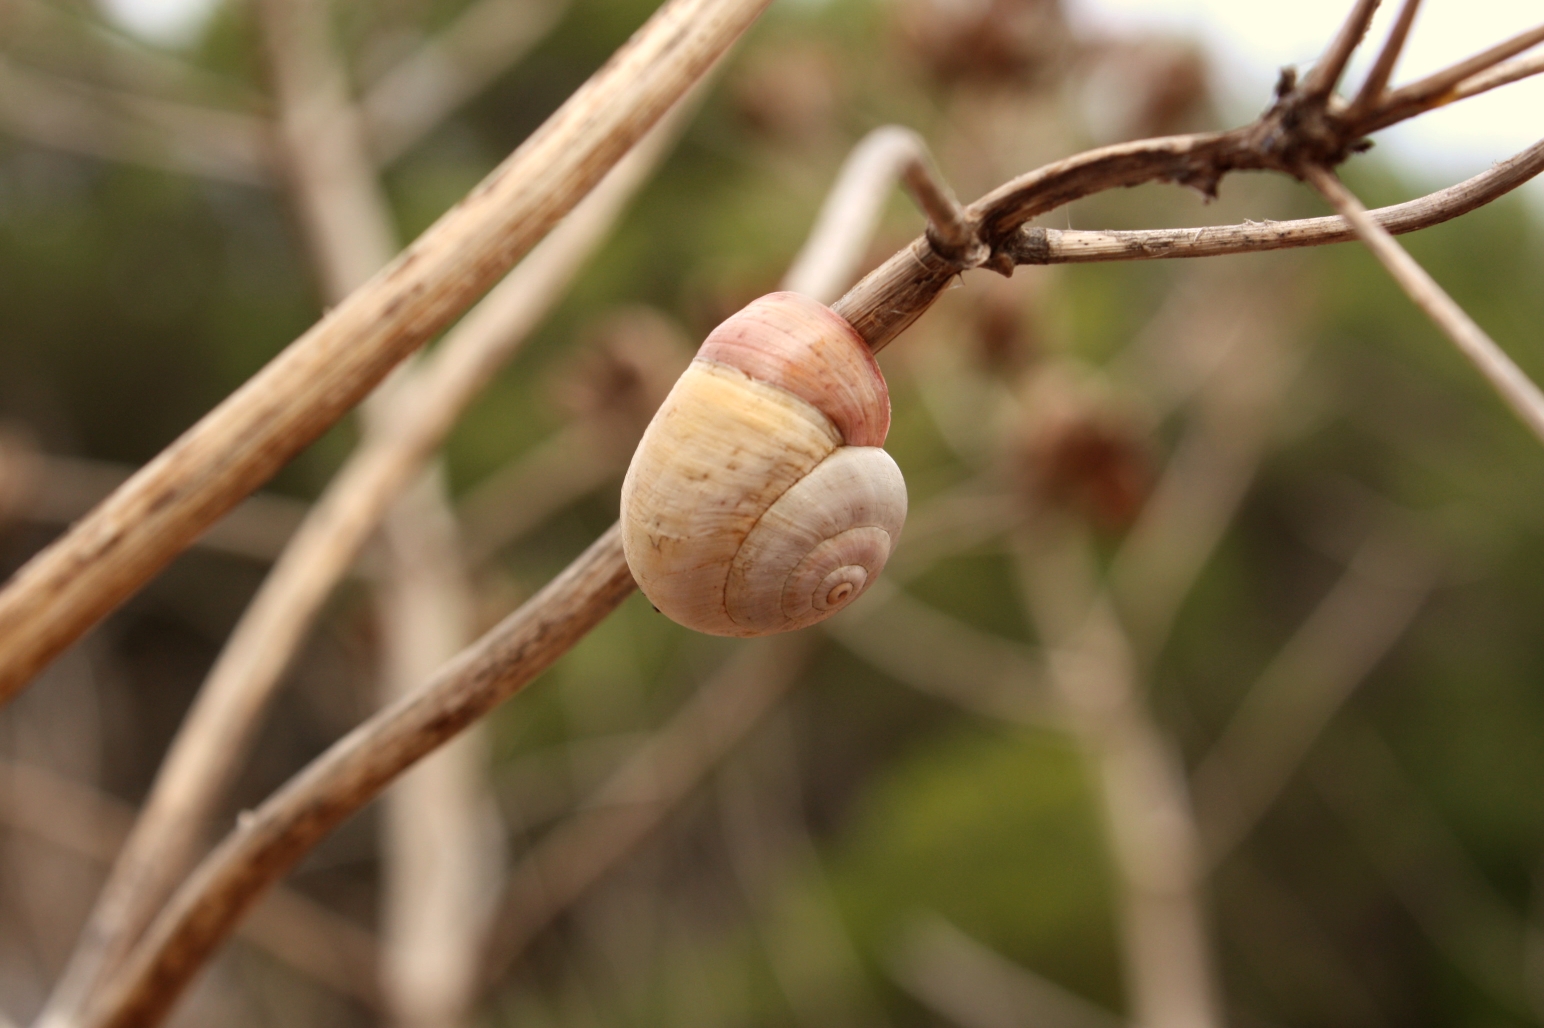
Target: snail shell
<point x="759" y="500"/>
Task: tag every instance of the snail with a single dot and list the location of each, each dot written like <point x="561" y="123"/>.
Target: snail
<point x="759" y="500"/>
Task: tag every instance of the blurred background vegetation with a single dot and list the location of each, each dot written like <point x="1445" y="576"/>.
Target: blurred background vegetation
<point x="1320" y="532"/>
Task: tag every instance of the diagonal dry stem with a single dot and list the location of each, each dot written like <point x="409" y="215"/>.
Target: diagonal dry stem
<point x="69" y="586"/>
<point x="1519" y="392"/>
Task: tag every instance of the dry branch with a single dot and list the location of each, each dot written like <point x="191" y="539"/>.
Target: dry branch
<point x="439" y="847"/>
<point x="352" y="772"/>
<point x="1036" y="245"/>
<point x="1448" y="84"/>
<point x="1383" y="67"/>
<point x="1326" y="72"/>
<point x="65" y="589"/>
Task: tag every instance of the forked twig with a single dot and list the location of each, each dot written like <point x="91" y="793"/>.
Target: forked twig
<point x="850" y="212"/>
<point x="1036" y="245"/>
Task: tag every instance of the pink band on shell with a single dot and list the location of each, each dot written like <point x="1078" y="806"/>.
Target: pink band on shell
<point x="801" y="345"/>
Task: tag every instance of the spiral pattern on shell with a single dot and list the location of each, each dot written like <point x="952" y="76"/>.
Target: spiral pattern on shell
<point x="758" y="500"/>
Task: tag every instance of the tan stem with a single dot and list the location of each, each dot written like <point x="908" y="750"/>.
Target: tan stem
<point x="438" y="841"/>
<point x="69" y="586"/>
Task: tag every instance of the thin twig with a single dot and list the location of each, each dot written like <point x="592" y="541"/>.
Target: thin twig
<point x="638" y="797"/>
<point x="851" y="210"/>
<point x="1037" y="245"/>
<point x="70" y="585"/>
<point x="1519" y="392"/>
<point x="977" y="987"/>
<point x="1382" y="68"/>
<point x="1501" y="75"/>
<point x="1325" y="74"/>
<point x="406" y="103"/>
<point x="1331" y="653"/>
<point x="849" y="214"/>
<point x="1441" y="82"/>
<point x="352" y="772"/>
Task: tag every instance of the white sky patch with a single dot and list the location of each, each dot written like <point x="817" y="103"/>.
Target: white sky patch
<point x="1249" y="40"/>
<point x="170" y="23"/>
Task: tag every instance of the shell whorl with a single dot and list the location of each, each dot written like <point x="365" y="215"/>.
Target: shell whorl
<point x="758" y="500"/>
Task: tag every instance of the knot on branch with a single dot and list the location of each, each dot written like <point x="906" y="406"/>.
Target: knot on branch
<point x="1305" y="127"/>
<point x="959" y="242"/>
